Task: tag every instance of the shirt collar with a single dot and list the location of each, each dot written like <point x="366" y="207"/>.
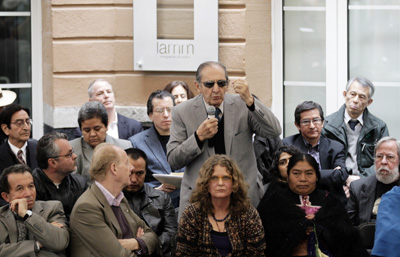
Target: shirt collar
<point x="309" y="146"/>
<point x="221" y="106"/>
<point x="15" y="149"/>
<point x="112" y="201"/>
<point x="347" y="118"/>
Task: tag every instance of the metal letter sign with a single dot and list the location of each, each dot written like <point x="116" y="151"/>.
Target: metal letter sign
<point x="183" y="55"/>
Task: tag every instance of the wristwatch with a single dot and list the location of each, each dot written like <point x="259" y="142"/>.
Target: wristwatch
<point x="27" y="215"/>
<point x="37" y="247"/>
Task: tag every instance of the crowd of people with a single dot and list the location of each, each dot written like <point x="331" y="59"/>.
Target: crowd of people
<point x="244" y="191"/>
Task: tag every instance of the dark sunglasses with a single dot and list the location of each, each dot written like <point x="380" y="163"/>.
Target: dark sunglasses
<point x="220" y="83"/>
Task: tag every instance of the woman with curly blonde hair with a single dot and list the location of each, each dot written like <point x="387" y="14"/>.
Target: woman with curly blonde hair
<point x="220" y="220"/>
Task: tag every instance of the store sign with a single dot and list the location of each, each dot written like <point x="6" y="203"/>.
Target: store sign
<point x="155" y="54"/>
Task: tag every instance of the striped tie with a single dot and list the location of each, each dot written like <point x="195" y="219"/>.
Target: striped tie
<point x="19" y="157"/>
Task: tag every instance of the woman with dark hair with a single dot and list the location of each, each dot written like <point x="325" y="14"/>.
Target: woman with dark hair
<point x="220" y="220"/>
<point x="302" y="220"/>
<point x="180" y="90"/>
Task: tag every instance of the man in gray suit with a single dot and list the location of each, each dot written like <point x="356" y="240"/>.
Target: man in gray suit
<point x="366" y="193"/>
<point x="93" y="121"/>
<point x="29" y="227"/>
<point x="102" y="224"/>
<point x="194" y="138"/>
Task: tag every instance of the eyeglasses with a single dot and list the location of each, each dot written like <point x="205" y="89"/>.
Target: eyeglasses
<point x="220" y="83"/>
<point x="225" y="178"/>
<point x="162" y="110"/>
<point x="138" y="173"/>
<point x="20" y="123"/>
<point x="390" y="158"/>
<point x="68" y="155"/>
<point x="316" y="121"/>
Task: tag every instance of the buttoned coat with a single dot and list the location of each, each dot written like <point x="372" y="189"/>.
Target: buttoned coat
<point x="127" y="127"/>
<point x="95" y="229"/>
<point x="362" y="198"/>
<point x="85" y="152"/>
<point x="331" y="155"/>
<point x="53" y="239"/>
<point x="239" y="125"/>
<point x="157" y="162"/>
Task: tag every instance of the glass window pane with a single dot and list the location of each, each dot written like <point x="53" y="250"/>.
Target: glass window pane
<point x="304" y="46"/>
<point x="374" y="48"/>
<point x="293" y="96"/>
<point x="318" y="3"/>
<point x="15" y="5"/>
<point x="373" y="2"/>
<point x="15" y="50"/>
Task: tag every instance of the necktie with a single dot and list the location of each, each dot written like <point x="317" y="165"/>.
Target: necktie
<point x="22" y="231"/>
<point x="217" y="112"/>
<point x="19" y="157"/>
<point x="352" y="124"/>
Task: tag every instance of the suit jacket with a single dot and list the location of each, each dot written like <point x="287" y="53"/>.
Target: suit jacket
<point x="95" y="229"/>
<point x="239" y="125"/>
<point x="331" y="155"/>
<point x="127" y="127"/>
<point x="157" y="163"/>
<point x="8" y="158"/>
<point x="362" y="198"/>
<point x="85" y="152"/>
<point x="53" y="239"/>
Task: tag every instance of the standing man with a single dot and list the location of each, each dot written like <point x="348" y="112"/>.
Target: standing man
<point x="119" y="126"/>
<point x="309" y="120"/>
<point x="153" y="141"/>
<point x="194" y="137"/>
<point x="29" y="227"/>
<point x="366" y="193"/>
<point x="102" y="224"/>
<point x="356" y="128"/>
<point x="53" y="178"/>
<point x="151" y="205"/>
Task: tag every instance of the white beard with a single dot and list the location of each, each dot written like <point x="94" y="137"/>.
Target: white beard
<point x="391" y="177"/>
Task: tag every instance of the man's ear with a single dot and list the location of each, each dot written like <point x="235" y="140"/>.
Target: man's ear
<point x="113" y="168"/>
<point x="5" y="129"/>
<point x="51" y="162"/>
<point x="297" y="126"/>
<point x="370" y="101"/>
<point x="344" y="93"/>
<point x="5" y="196"/>
<point x="198" y="86"/>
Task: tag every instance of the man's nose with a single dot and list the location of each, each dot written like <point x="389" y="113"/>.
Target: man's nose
<point x="215" y="87"/>
<point x="27" y="193"/>
<point x="179" y="100"/>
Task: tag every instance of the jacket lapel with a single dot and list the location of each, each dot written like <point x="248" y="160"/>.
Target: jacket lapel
<point x="200" y="115"/>
<point x="87" y="151"/>
<point x="229" y="122"/>
<point x="10" y="223"/>
<point x="122" y="127"/>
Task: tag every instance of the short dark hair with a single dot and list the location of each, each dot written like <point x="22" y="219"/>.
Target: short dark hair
<point x="90" y="110"/>
<point x="306" y="106"/>
<point x="47" y="148"/>
<point x="158" y="94"/>
<point x="173" y="84"/>
<point x="8" y="112"/>
<point x="274" y="170"/>
<point x="206" y="64"/>
<point x="307" y="158"/>
<point x="16" y="168"/>
<point x="136" y="153"/>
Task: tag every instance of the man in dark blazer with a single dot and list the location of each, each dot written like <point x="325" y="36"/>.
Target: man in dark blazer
<point x="365" y="193"/>
<point x="102" y="224"/>
<point x="309" y="120"/>
<point x="119" y="126"/>
<point x="194" y="137"/>
<point x="29" y="227"/>
<point x="153" y="141"/>
<point x="16" y="126"/>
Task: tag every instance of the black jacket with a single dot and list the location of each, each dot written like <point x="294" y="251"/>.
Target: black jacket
<point x="70" y="189"/>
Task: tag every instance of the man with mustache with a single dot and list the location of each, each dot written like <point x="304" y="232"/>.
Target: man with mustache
<point x="365" y="193"/>
<point x="29" y="227"/>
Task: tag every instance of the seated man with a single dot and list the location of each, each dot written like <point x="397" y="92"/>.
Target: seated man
<point x="29" y="227"/>
<point x="365" y="193"/>
<point x="93" y="120"/>
<point x="102" y="224"/>
<point x="119" y="126"/>
<point x="309" y="120"/>
<point x="53" y="178"/>
<point x="151" y="205"/>
<point x="153" y="141"/>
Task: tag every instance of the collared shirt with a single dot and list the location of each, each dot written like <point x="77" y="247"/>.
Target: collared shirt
<point x="313" y="150"/>
<point x="352" y="139"/>
<point x="113" y="127"/>
<point x="221" y="107"/>
<point x="15" y="149"/>
<point x="347" y="118"/>
<point x="109" y="197"/>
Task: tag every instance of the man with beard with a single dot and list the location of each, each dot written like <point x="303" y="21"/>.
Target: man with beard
<point x="366" y="193"/>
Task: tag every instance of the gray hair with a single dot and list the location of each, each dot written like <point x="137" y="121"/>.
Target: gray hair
<point x="90" y="110"/>
<point x="364" y="82"/>
<point x="206" y="64"/>
<point x="90" y="88"/>
<point x="47" y="148"/>
<point x="388" y="139"/>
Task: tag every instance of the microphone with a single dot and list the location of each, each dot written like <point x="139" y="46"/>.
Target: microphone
<point x="211" y="112"/>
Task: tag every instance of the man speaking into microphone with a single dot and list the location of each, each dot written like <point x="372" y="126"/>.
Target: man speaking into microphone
<point x="197" y="133"/>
